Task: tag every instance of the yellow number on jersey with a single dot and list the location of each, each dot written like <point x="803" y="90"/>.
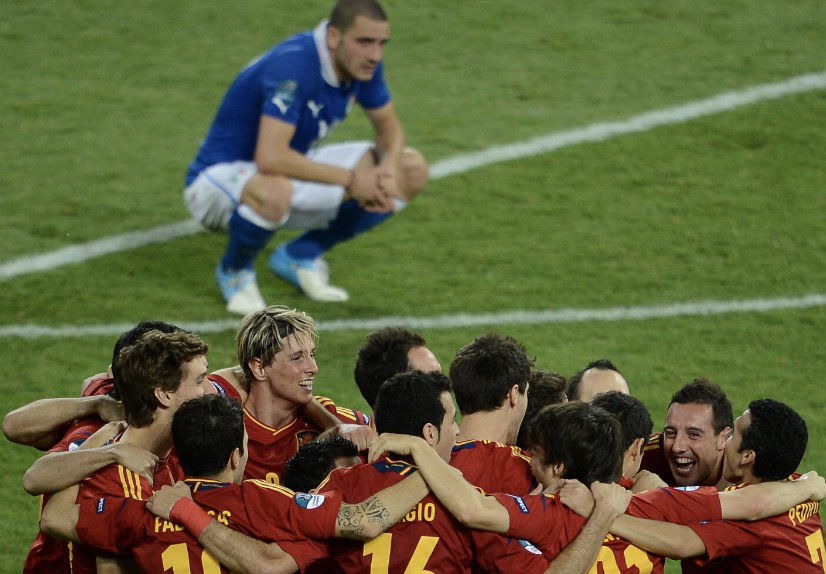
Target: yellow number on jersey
<point x="817" y="552"/>
<point x="633" y="557"/>
<point x="176" y="558"/>
<point x="379" y="549"/>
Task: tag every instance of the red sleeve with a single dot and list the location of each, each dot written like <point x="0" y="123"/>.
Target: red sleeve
<point x="77" y="434"/>
<point x="98" y="386"/>
<point x="541" y="519"/>
<point x="224" y="387"/>
<point x="282" y="514"/>
<point x="677" y="505"/>
<point x="726" y="538"/>
<point x="109" y="524"/>
<point x="345" y="415"/>
<point x="495" y="553"/>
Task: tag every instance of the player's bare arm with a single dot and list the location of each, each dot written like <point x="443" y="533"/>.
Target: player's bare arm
<point x="236" y="551"/>
<point x="766" y="499"/>
<point x="374" y="515"/>
<point x="59" y="470"/>
<point x="274" y="156"/>
<point x="610" y="500"/>
<point x="469" y="506"/>
<point x="664" y="538"/>
<point x="41" y="423"/>
<point x="390" y="142"/>
<point x="59" y="516"/>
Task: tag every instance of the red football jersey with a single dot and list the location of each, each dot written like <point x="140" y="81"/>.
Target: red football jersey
<point x="428" y="538"/>
<point x="493" y="466"/>
<point x="543" y="520"/>
<point x="117" y="481"/>
<point x="790" y="542"/>
<point x="50" y="554"/>
<point x="271" y="448"/>
<point x="268" y="512"/>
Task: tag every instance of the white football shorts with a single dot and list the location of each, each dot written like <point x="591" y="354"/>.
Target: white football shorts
<point x="215" y="193"/>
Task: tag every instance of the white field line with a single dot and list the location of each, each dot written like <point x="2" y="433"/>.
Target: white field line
<point x="459" y="164"/>
<point x="639" y="313"/>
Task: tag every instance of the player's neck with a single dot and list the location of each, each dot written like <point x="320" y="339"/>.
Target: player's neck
<point x="269" y="409"/>
<point x="487" y="425"/>
<point x="156" y="438"/>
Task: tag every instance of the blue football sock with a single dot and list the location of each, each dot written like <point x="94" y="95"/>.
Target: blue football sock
<point x="351" y="220"/>
<point x="246" y="239"/>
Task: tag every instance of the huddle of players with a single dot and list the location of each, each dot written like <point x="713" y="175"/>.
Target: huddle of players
<point x="406" y="509"/>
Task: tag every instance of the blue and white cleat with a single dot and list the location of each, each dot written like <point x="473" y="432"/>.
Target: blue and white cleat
<point x="309" y="275"/>
<point x="240" y="290"/>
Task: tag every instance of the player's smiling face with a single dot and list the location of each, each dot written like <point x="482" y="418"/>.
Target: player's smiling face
<point x="693" y="450"/>
<point x="291" y="373"/>
<point x="358" y="51"/>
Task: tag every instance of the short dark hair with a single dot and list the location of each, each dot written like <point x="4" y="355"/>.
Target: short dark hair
<point x="128" y="338"/>
<point x="155" y="360"/>
<point x="704" y="392"/>
<point x="632" y="414"/>
<point x="382" y="355"/>
<point x="778" y="437"/>
<point x="345" y="12"/>
<point x="576" y="378"/>
<point x="206" y="431"/>
<point x="408" y="401"/>
<point x="485" y="369"/>
<point x="545" y="388"/>
<point x="314" y="461"/>
<point x="585" y="438"/>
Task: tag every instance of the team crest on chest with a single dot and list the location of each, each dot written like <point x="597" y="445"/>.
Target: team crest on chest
<point x="306" y="436"/>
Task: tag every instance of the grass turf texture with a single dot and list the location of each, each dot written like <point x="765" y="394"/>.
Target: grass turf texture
<point x="107" y="101"/>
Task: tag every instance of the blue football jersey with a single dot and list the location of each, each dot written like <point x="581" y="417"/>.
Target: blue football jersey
<point x="294" y="82"/>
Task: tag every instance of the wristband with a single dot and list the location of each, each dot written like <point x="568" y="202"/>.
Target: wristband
<point x="352" y="180"/>
<point x="189" y="515"/>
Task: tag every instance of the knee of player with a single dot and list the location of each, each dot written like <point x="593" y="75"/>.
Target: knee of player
<point x="269" y="196"/>
<point x="416" y="172"/>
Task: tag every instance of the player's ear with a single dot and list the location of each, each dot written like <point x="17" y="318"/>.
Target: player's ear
<point x="235" y="459"/>
<point x="723" y="437"/>
<point x="636" y="447"/>
<point x="333" y="37"/>
<point x="257" y="368"/>
<point x="163" y="397"/>
<point x="747" y="457"/>
<point x="430" y="433"/>
<point x="513" y="395"/>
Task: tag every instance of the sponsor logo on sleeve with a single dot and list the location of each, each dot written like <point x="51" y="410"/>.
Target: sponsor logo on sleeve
<point x="520" y="503"/>
<point x="285" y="95"/>
<point x="101" y="505"/>
<point x="309" y="501"/>
<point x="686" y="488"/>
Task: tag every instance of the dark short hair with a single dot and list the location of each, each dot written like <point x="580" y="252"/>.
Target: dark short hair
<point x="485" y="369"/>
<point x="585" y="438"/>
<point x="704" y="392"/>
<point x="156" y="360"/>
<point x="408" y="401"/>
<point x="128" y="338"/>
<point x="206" y="431"/>
<point x="545" y="388"/>
<point x="576" y="378"/>
<point x="382" y="355"/>
<point x="632" y="414"/>
<point x="345" y="12"/>
<point x="778" y="437"/>
<point x="314" y="461"/>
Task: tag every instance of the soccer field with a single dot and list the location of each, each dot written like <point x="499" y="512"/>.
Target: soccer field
<point x="642" y="182"/>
